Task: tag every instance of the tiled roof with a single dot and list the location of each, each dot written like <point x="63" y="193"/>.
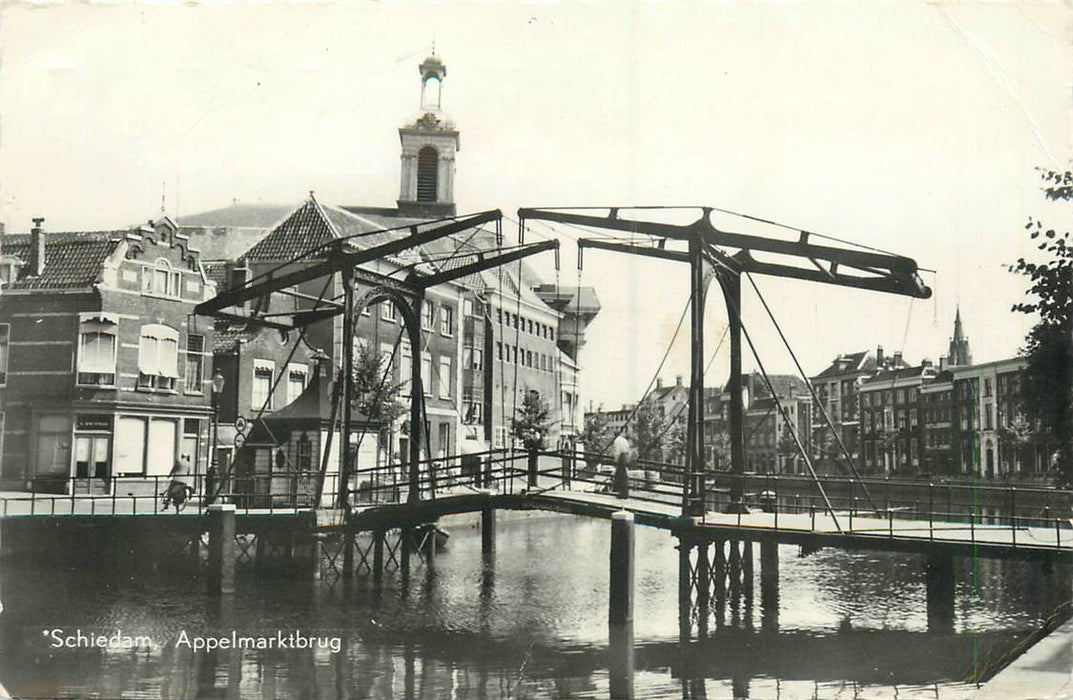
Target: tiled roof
<point x="890" y="375"/>
<point x="305" y="229"/>
<point x="853" y="362"/>
<point x="216" y="272"/>
<point x="72" y="259"/>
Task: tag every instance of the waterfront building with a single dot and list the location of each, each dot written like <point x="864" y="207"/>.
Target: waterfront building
<point x="104" y="370"/>
<point x="892" y="435"/>
<point x="838" y="389"/>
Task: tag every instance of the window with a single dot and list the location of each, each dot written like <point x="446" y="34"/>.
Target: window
<point x="388" y="311"/>
<point x="428" y="316"/>
<point x="447" y="320"/>
<point x="499" y="316"/>
<point x="5" y="341"/>
<point x="499" y="350"/>
<point x="158" y="358"/>
<point x="987" y="387"/>
<point x="426" y="373"/>
<point x="445" y="439"/>
<point x="9" y="270"/>
<point x="130" y="445"/>
<point x="467" y="307"/>
<point x="528" y="358"/>
<point x="188" y="448"/>
<point x="305" y="452"/>
<point x="296" y="382"/>
<point x="97" y="350"/>
<point x="499" y="437"/>
<point x="365" y="310"/>
<point x="551" y="334"/>
<point x="445" y="377"/>
<point x="195" y="363"/>
<point x="405" y="368"/>
<point x="160" y="457"/>
<point x="478" y="359"/>
<point x="161" y="280"/>
<point x="428" y="163"/>
<point x="262" y="384"/>
<point x="988" y="417"/>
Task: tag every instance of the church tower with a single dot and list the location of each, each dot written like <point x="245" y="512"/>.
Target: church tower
<point x="428" y="151"/>
<point x="959" y="353"/>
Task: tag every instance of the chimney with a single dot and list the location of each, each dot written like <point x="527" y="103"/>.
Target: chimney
<point x="925" y="362"/>
<point x="37" y="248"/>
<point x="897" y="358"/>
<point x="659" y="382"/>
<point x="879" y="355"/>
<point x="942" y="363"/>
<point x="678" y="380"/>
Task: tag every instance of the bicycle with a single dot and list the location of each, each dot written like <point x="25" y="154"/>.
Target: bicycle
<point x="177" y="494"/>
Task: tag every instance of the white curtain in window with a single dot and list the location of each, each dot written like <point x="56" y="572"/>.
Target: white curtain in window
<point x="129" y="445"/>
<point x="161" y="446"/>
<point x="98" y="350"/>
<point x="158" y="351"/>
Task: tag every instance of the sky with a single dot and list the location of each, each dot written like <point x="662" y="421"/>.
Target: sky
<point x="910" y="127"/>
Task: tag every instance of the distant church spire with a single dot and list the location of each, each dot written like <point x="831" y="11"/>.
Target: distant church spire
<point x="960" y="354"/>
<point x="429" y="145"/>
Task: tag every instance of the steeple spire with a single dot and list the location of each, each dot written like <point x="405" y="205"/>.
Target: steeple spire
<point x="960" y="354"/>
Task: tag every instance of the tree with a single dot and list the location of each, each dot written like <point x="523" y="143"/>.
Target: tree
<point x="787" y="449"/>
<point x="650" y="430"/>
<point x="1015" y="435"/>
<point x="530" y="425"/>
<point x="1047" y="395"/>
<point x="376" y="394"/>
<point x="675" y="440"/>
<point x="596" y="436"/>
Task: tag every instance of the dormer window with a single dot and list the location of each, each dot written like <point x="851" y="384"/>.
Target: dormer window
<point x="161" y="280"/>
<point x="9" y="270"/>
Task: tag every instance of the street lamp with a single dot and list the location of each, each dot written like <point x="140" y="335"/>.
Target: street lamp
<point x="217" y="388"/>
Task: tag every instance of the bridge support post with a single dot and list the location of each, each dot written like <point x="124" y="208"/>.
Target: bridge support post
<point x="940" y="585"/>
<point x="221" y="548"/>
<point x="620" y="604"/>
<point x="747" y="572"/>
<point x="533" y="472"/>
<point x="488" y="532"/>
<point x="704" y="585"/>
<point x="769" y="585"/>
<point x="348" y="555"/>
<point x="378" y="556"/>
<point x="405" y="549"/>
<point x="685" y="585"/>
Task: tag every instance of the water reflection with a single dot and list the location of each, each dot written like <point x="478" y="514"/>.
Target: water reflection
<point x="527" y="620"/>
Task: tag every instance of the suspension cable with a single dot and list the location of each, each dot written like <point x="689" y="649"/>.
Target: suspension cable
<point x="812" y="391"/>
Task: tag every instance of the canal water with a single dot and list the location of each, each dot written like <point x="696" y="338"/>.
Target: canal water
<point x="532" y="624"/>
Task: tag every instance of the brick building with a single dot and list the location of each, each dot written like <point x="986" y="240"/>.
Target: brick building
<point x="892" y="435"/>
<point x="103" y="369"/>
<point x="838" y="389"/>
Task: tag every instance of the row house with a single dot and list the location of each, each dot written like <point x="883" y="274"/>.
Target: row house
<point x="104" y="372"/>
<point x="769" y="444"/>
<point x="991" y="435"/>
<point x="838" y="389"/>
<point x="892" y="435"/>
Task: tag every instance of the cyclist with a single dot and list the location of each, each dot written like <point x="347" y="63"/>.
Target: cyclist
<point x="179" y="490"/>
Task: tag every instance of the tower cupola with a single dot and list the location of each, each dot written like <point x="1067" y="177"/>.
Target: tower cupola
<point x="429" y="145"/>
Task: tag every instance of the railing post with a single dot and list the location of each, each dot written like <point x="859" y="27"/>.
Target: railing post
<point x="1013" y="514"/>
<point x="1057" y="533"/>
<point x="812" y="516"/>
<point x="931" y="511"/>
<point x="533" y="457"/>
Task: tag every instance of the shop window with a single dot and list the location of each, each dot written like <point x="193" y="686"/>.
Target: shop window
<point x="158" y="357"/>
<point x="97" y="343"/>
<point x="130" y="445"/>
<point x="160" y="455"/>
<point x="53" y="457"/>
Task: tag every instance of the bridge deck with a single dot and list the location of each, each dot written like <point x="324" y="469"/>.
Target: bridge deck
<point x="809" y="529"/>
<point x="806" y="529"/>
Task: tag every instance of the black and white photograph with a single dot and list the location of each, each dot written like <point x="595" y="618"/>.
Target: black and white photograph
<point x="532" y="350"/>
